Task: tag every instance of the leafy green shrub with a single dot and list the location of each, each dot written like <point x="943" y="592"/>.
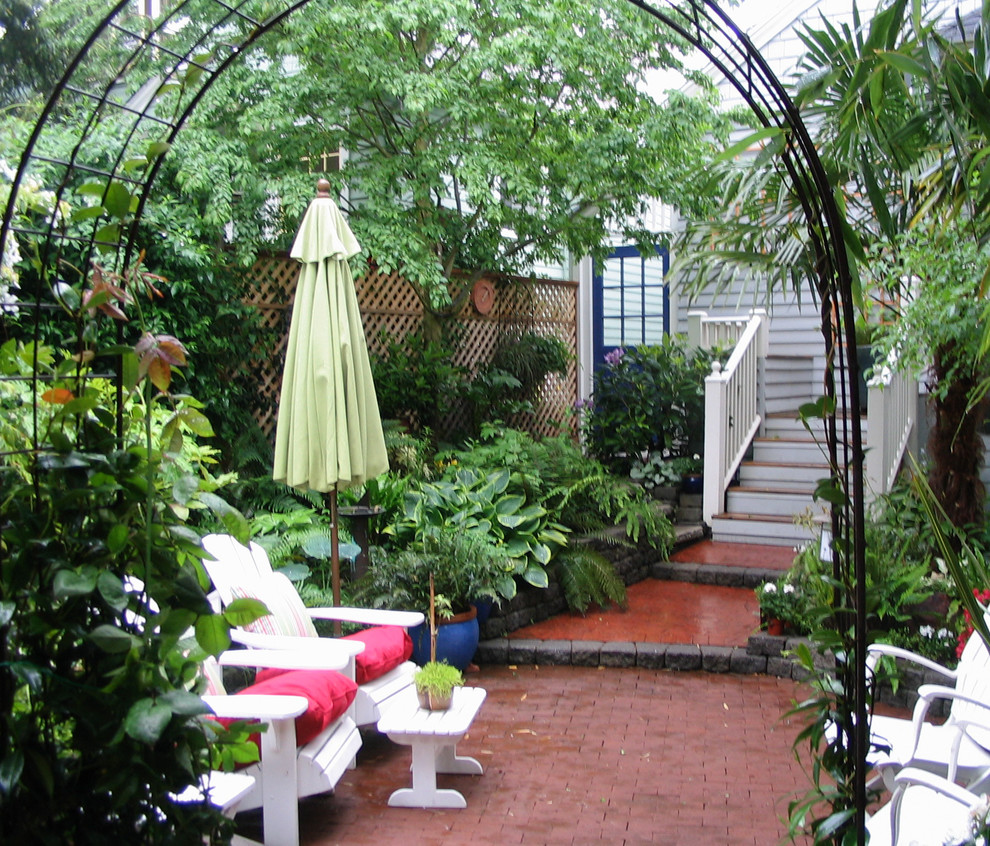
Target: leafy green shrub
<point x="507" y="385"/>
<point x="587" y="577"/>
<point x="579" y="490"/>
<point x="99" y="722"/>
<point x="465" y="563"/>
<point x="648" y="399"/>
<point x="470" y="500"/>
<point x="412" y="376"/>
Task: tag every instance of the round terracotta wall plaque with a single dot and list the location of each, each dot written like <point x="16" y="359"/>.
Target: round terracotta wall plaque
<point x="483" y="296"/>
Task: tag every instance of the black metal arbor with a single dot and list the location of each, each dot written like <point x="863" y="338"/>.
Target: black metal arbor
<point x="184" y="51"/>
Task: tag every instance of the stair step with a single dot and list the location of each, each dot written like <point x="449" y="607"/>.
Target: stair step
<point x="796" y="476"/>
<point x="788" y="450"/>
<point x="768" y="529"/>
<point x="776" y="501"/>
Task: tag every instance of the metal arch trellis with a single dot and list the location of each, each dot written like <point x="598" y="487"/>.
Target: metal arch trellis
<point x="172" y="62"/>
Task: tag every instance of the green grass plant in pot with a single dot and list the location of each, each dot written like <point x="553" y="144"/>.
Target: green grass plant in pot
<point x="435" y="680"/>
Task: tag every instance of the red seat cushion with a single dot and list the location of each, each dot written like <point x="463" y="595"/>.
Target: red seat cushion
<point x="385" y="647"/>
<point x="328" y="692"/>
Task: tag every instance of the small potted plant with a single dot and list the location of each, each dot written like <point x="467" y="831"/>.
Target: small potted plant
<point x="781" y="606"/>
<point x="435" y="680"/>
<point x="435" y="683"/>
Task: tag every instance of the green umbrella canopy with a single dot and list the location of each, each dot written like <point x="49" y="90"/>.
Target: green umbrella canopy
<point x="329" y="430"/>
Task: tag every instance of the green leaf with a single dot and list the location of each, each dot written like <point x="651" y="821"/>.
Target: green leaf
<point x="117" y="538"/>
<point x="112" y="590"/>
<point x="7" y="609"/>
<point x="87" y="212"/>
<point x="198" y="422"/>
<point x="11" y="767"/>
<point x="113" y="639"/>
<point x="69" y="583"/>
<point x="118" y="200"/>
<point x="184" y="703"/>
<point x="541" y="552"/>
<point x="753" y="140"/>
<point x="244" y="611"/>
<point x="902" y="63"/>
<point x="159" y="148"/>
<point x="185" y="488"/>
<point x="91" y="189"/>
<point x="147" y="720"/>
<point x="318" y="546"/>
<point x="213" y="632"/>
<point x="536" y="576"/>
<point x="830" y="492"/>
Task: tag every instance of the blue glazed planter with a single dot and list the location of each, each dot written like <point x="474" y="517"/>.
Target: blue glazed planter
<point x="457" y="640"/>
<point x="693" y="483"/>
<point x="484" y="607"/>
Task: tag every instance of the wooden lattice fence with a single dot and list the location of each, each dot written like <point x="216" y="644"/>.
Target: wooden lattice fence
<point x="390" y="308"/>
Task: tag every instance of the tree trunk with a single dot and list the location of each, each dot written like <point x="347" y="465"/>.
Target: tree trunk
<point x="955" y="445"/>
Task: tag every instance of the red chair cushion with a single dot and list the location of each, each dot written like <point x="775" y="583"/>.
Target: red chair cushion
<point x="385" y="647"/>
<point x="328" y="692"/>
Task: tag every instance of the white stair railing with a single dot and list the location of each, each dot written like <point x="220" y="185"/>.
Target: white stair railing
<point x="707" y="332"/>
<point x="892" y="406"/>
<point x="733" y="409"/>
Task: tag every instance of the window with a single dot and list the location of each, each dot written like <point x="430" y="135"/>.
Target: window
<point x="631" y="300"/>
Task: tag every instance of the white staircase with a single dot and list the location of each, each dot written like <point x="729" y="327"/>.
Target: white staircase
<point x="775" y="485"/>
<point x="762" y="465"/>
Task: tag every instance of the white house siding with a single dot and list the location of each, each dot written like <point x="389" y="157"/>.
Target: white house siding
<point x="795" y="329"/>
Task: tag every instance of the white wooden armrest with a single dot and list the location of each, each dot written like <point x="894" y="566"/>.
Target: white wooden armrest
<point x="913" y="775"/>
<point x="328" y="646"/>
<point x="368" y="616"/>
<point x="285" y="659"/>
<point x="908" y="655"/>
<point x="931" y="692"/>
<point x="257" y="706"/>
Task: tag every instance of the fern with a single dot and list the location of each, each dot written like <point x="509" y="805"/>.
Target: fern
<point x="587" y="576"/>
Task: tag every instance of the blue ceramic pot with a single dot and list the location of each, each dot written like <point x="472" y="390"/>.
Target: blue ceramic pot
<point x="484" y="607"/>
<point x="693" y="483"/>
<point x="457" y="640"/>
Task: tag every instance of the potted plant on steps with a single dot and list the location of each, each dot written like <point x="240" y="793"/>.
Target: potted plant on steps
<point x="435" y="680"/>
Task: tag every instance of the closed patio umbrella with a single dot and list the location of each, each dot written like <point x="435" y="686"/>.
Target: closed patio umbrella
<point x="329" y="431"/>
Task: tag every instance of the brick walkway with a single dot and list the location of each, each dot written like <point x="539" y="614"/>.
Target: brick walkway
<point x="589" y="754"/>
<point x="581" y="755"/>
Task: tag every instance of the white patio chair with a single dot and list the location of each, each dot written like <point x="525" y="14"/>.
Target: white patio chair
<point x="286" y="772"/>
<point x="959" y="748"/>
<point x="924" y="810"/>
<point x="237" y="570"/>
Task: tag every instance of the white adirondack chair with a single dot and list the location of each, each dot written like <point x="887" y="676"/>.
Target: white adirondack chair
<point x="285" y="773"/>
<point x="958" y="749"/>
<point x="924" y="810"/>
<point x="237" y="568"/>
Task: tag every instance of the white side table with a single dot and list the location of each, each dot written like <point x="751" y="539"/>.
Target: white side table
<point x="433" y="736"/>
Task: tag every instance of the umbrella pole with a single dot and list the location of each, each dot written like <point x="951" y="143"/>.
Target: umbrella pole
<point x="334" y="554"/>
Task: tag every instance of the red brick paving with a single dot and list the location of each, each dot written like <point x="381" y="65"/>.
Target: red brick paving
<point x="736" y="554"/>
<point x="581" y="755"/>
<point x="662" y="612"/>
<point x="576" y="755"/>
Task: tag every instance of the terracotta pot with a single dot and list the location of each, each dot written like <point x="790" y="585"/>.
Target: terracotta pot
<point x="434" y="703"/>
<point x="775" y="627"/>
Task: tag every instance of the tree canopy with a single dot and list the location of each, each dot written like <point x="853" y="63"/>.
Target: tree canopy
<point x="477" y="135"/>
